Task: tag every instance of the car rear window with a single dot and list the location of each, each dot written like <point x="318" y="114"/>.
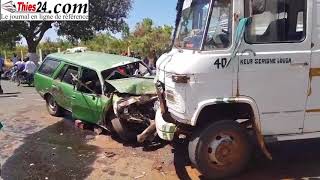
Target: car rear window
<point x="48" y="67"/>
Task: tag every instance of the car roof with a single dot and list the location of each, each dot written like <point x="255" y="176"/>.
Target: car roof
<point x="93" y="60"/>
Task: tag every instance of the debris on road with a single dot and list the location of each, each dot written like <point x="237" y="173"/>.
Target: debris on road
<point x="98" y="131"/>
<point x="158" y="167"/>
<point x="109" y="154"/>
<point x="140" y="176"/>
<point x="90" y="137"/>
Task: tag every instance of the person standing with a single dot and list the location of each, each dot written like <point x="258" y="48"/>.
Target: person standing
<point x="29" y="68"/>
<point x="18" y="67"/>
<point x="1" y="71"/>
<point x="15" y="58"/>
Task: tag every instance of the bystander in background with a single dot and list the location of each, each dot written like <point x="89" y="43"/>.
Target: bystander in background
<point x="14" y="58"/>
<point x="1" y="71"/>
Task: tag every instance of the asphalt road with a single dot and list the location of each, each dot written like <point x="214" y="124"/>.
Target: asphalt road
<point x="34" y="145"/>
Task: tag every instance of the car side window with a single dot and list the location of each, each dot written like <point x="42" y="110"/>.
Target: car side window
<point x="91" y="80"/>
<point x="49" y="66"/>
<point x="62" y="72"/>
<point x="67" y="78"/>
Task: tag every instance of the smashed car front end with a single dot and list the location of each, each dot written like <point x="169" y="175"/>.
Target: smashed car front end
<point x="135" y="101"/>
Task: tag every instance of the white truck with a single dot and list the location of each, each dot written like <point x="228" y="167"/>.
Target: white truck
<point x="240" y="68"/>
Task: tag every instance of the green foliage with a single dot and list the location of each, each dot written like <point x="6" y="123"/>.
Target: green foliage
<point x="105" y="43"/>
<point x="143" y="40"/>
<point x="8" y="36"/>
<point x="49" y="46"/>
<point x="147" y="38"/>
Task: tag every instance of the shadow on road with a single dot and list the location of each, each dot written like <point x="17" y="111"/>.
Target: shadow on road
<point x="298" y="160"/>
<point x="8" y="96"/>
<point x="12" y="93"/>
<point x="57" y="152"/>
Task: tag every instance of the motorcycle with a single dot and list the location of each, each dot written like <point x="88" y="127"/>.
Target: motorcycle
<point x="23" y="78"/>
<point x="7" y="74"/>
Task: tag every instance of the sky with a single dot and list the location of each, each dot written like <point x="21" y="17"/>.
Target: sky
<point x="160" y="11"/>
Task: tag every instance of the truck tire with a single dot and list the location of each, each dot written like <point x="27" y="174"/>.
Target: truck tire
<point x="124" y="132"/>
<point x="53" y="108"/>
<point x="221" y="150"/>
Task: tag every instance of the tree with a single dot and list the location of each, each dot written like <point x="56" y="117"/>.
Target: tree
<point x="104" y="15"/>
<point x="147" y="38"/>
<point x="8" y="36"/>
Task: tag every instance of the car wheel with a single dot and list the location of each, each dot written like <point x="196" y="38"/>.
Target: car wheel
<point x="53" y="108"/>
<point x="220" y="150"/>
<point x="121" y="128"/>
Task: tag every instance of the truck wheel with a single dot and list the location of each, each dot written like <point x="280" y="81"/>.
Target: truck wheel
<point x="122" y="129"/>
<point x="220" y="150"/>
<point x="53" y="108"/>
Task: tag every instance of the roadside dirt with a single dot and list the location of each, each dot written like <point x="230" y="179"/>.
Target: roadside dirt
<point x="37" y="146"/>
<point x="34" y="145"/>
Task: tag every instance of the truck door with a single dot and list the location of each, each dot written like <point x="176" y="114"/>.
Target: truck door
<point x="312" y="121"/>
<point x="274" y="65"/>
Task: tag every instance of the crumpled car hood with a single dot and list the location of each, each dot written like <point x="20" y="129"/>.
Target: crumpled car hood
<point x="134" y="86"/>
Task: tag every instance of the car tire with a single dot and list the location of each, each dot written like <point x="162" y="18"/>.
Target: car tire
<point x="123" y="131"/>
<point x="221" y="150"/>
<point x="53" y="108"/>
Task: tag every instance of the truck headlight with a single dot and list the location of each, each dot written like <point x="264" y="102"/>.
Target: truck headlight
<point x="175" y="101"/>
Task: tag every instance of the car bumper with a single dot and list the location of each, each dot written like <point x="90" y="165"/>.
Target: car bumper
<point x="165" y="130"/>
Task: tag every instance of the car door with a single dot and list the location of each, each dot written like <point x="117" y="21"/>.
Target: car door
<point x="64" y="86"/>
<point x="87" y="101"/>
<point x="274" y="65"/>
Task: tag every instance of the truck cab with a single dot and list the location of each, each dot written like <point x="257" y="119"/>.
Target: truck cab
<point x="239" y="68"/>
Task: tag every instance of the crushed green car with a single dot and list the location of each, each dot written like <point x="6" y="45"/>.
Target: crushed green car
<point x="115" y="92"/>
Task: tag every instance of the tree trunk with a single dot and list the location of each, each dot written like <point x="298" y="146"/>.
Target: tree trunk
<point x="32" y="49"/>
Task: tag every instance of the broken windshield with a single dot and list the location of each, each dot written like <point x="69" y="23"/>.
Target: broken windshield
<point x="192" y="24"/>
<point x="136" y="69"/>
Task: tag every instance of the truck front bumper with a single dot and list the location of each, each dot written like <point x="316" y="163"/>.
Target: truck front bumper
<point x="165" y="130"/>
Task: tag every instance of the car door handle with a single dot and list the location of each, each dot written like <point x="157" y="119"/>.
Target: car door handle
<point x="73" y="97"/>
<point x="300" y="64"/>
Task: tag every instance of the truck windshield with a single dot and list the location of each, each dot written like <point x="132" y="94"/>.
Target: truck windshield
<point x="193" y="21"/>
<point x="192" y="24"/>
<point x="220" y="26"/>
